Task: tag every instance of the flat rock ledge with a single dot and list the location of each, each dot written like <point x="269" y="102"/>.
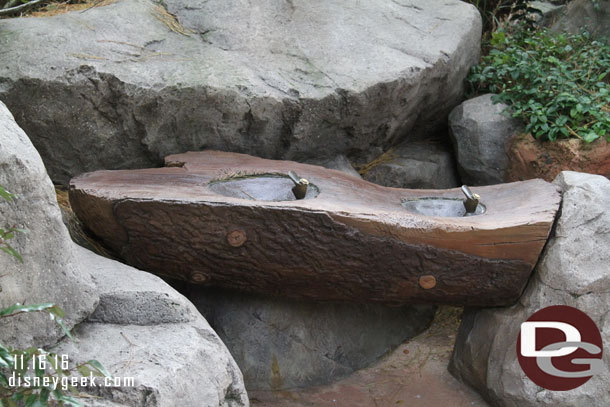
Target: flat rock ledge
<point x="125" y="84"/>
<point x="145" y="330"/>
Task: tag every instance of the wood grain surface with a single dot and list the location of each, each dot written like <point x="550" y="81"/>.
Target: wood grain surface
<point x="354" y="241"/>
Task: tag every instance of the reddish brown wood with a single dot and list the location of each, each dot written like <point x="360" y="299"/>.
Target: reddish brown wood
<point x="354" y="241"/>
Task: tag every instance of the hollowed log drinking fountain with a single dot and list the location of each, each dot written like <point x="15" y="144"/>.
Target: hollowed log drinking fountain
<point x="234" y="220"/>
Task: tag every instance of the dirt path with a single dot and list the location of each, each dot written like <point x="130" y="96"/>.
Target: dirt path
<point x="413" y="375"/>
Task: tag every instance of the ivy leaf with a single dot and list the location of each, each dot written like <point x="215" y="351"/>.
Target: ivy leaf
<point x="590" y="137"/>
<point x="83" y="370"/>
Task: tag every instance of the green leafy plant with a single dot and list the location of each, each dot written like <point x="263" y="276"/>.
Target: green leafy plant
<point x="558" y="84"/>
<point x="46" y="366"/>
<point x="19" y="364"/>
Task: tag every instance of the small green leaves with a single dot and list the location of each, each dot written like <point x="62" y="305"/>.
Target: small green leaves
<point x="97" y="366"/>
<point x="590" y="136"/>
<point x="83" y="370"/>
<point x="46" y="367"/>
<point x="33" y="401"/>
<point x="7" y="248"/>
<point x="19" y="309"/>
<point x="498" y="38"/>
<point x="5" y="194"/>
<point x="64" y="328"/>
<point x="556" y="83"/>
<point x="56" y="311"/>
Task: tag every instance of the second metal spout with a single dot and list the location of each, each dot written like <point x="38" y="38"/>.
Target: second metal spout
<point x="300" y="185"/>
<point x="471" y="202"/>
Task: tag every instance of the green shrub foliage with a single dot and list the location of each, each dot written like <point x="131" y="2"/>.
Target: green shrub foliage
<point x="37" y="363"/>
<point x="558" y="84"/>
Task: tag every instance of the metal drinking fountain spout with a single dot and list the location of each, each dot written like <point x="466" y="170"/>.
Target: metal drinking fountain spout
<point x="300" y="185"/>
<point x="471" y="202"/>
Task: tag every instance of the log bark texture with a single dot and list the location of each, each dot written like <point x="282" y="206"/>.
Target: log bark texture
<point x="354" y="241"/>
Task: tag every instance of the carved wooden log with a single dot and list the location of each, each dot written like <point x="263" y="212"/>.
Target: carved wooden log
<point x="218" y="218"/>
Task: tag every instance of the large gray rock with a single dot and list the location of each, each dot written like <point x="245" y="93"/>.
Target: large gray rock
<point x="280" y="343"/>
<point x="574" y="271"/>
<point x="145" y="330"/>
<point x="420" y="165"/>
<point x="131" y="321"/>
<point x="124" y="85"/>
<point x="482" y="135"/>
<point x="593" y="16"/>
<point x="50" y="272"/>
